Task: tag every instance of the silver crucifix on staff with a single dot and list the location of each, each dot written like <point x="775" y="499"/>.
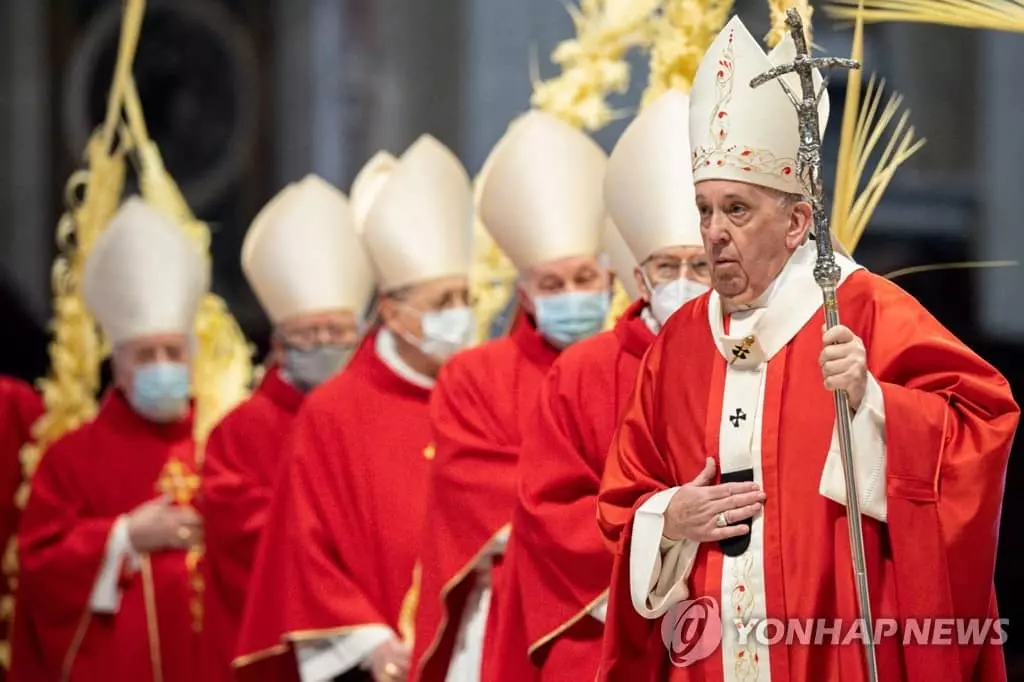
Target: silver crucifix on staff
<point x="826" y="274"/>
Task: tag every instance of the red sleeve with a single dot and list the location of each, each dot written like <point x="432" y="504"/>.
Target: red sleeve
<point x="635" y="470"/>
<point x="234" y="501"/>
<point x="950" y="420"/>
<point x="562" y="563"/>
<point x="301" y="585"/>
<point x="61" y="548"/>
<point x="471" y="497"/>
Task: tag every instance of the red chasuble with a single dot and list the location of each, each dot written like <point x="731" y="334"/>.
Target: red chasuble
<point x="84" y="482"/>
<point x="562" y="564"/>
<point x="20" y="407"/>
<point x="949" y="422"/>
<point x="243" y="455"/>
<point x="480" y="403"/>
<point x="343" y="531"/>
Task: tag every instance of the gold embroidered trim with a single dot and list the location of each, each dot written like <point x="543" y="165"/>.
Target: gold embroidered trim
<point x="446" y="590"/>
<point x="583" y="613"/>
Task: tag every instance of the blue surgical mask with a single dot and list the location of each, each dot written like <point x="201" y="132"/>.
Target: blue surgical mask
<point x="564" y="319"/>
<point x="160" y="391"/>
<point x="308" y="368"/>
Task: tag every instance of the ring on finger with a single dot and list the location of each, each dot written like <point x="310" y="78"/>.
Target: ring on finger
<point x="721" y="520"/>
<point x="184" y="533"/>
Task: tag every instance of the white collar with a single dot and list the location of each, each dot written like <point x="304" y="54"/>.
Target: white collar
<point x="652" y="322"/>
<point x="785" y="307"/>
<point x="387" y="350"/>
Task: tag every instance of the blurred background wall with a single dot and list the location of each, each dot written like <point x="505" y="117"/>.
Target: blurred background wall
<point x="243" y="96"/>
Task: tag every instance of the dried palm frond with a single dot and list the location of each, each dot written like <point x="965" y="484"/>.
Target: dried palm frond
<point x="963" y="265"/>
<point x="682" y="33"/>
<point x="996" y="15"/>
<point x="864" y="125"/>
<point x="593" y="63"/>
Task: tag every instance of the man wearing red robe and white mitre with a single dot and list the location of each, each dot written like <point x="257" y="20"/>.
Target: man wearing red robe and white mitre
<point x="563" y="566"/>
<point x="106" y="589"/>
<point x="541" y="201"/>
<point x="335" y="563"/>
<point x="306" y="264"/>
<point x="724" y="482"/>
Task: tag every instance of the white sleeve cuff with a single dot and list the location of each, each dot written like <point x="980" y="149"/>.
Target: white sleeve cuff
<point x="867" y="434"/>
<point x="658" y="568"/>
<point x="321" y="660"/>
<point x="600" y="609"/>
<point x="106" y="595"/>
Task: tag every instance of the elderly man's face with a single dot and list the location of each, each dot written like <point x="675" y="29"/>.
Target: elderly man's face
<point x="133" y="355"/>
<point x="153" y="373"/>
<point x="567" y="275"/>
<point x="403" y="311"/>
<point x="749" y="234"/>
<point x="672" y="263"/>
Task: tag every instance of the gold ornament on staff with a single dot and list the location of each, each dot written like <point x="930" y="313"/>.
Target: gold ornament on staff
<point x="826" y="274"/>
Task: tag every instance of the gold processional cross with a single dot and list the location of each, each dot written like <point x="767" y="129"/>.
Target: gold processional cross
<point x="179" y="482"/>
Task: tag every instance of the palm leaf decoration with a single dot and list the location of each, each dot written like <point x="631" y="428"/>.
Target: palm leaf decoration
<point x="865" y="125"/>
<point x="996" y="15"/>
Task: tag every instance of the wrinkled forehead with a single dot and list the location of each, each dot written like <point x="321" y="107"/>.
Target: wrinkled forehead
<point x="435" y="291"/>
<point x="333" y="319"/>
<point x="722" y="190"/>
<point x="677" y="253"/>
<point x="570" y="268"/>
<point x="154" y="345"/>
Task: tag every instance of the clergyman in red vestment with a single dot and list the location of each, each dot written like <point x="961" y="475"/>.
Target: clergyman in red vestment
<point x="541" y="201"/>
<point x="724" y="487"/>
<point x="107" y="587"/>
<point x="563" y="566"/>
<point x="306" y="264"/>
<point x="330" y="592"/>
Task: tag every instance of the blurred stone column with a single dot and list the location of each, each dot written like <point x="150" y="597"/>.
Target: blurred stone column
<point x="1000" y="183"/>
<point x="27" y="230"/>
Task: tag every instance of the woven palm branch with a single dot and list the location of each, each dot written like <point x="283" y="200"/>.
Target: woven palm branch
<point x="865" y="125"/>
<point x="996" y="15"/>
<point x="682" y="33"/>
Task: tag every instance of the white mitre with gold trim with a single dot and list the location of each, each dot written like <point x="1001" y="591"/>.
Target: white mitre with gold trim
<point x="542" y="197"/>
<point x="621" y="258"/>
<point x="741" y="133"/>
<point x="649" y="185"/>
<point x="420" y="226"/>
<point x="144" y="276"/>
<point x="302" y="254"/>
<point x="367" y="184"/>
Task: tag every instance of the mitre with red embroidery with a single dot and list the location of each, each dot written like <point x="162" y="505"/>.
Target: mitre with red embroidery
<point x="742" y="133"/>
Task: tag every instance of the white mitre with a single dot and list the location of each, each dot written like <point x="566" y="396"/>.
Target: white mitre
<point x="649" y="185"/>
<point x="144" y="276"/>
<point x="621" y="258"/>
<point x="302" y="254"/>
<point x="367" y="184"/>
<point x="542" y="199"/>
<point x="420" y="226"/>
<point x="742" y="133"/>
